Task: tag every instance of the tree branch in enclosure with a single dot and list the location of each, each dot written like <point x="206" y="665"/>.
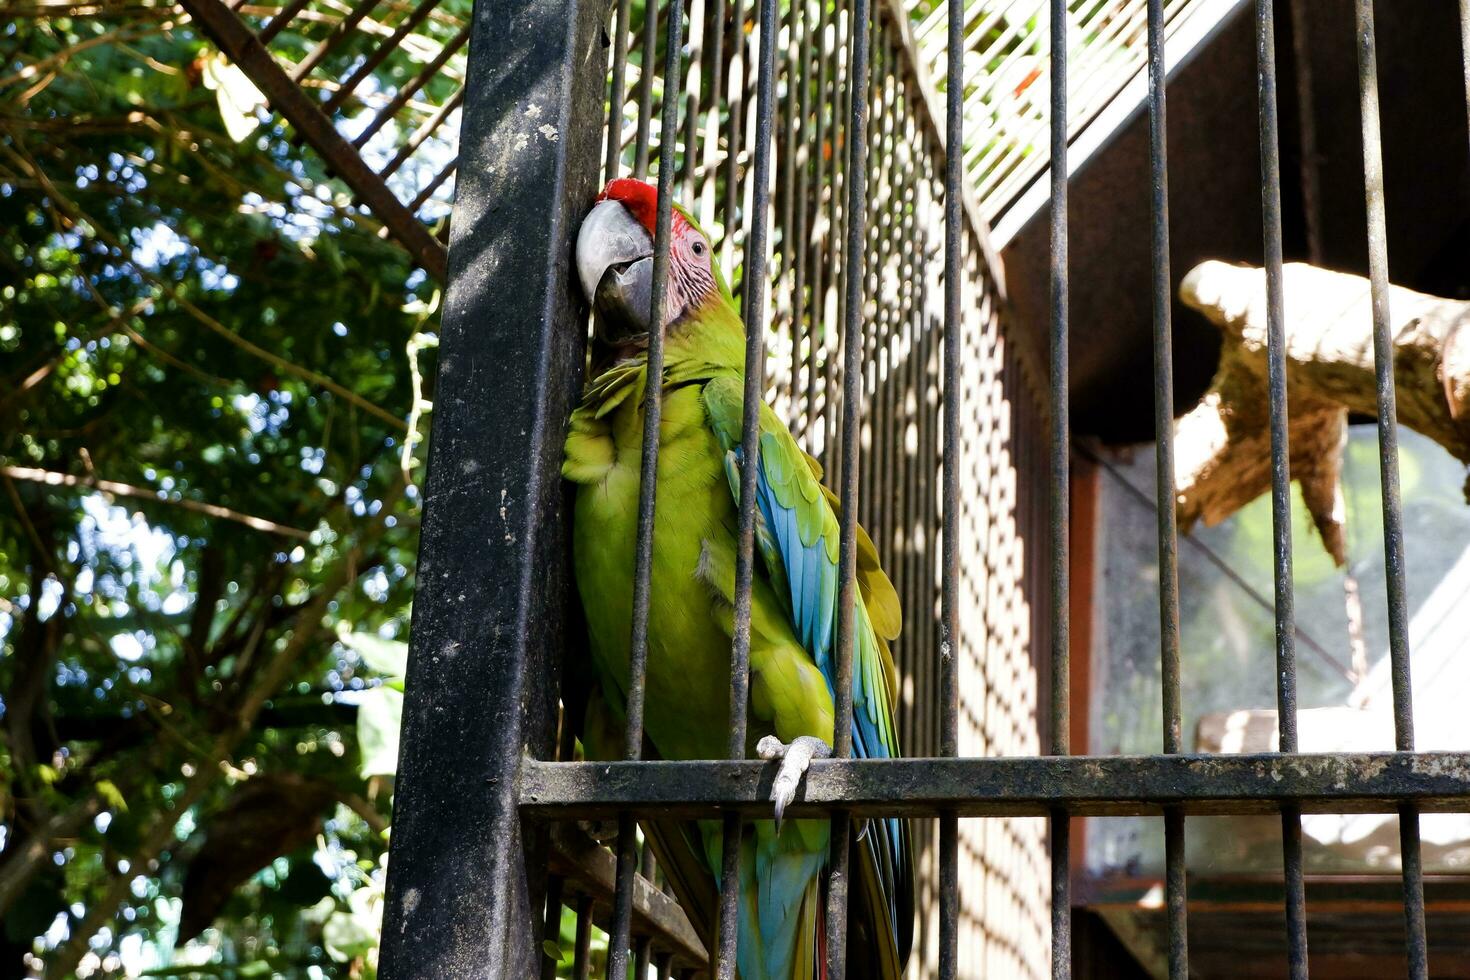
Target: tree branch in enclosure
<point x="1223" y="445"/>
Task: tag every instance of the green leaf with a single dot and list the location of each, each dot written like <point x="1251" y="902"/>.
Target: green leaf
<point x="108" y="790"/>
<point x="354" y="933"/>
<point x="387" y="657"/>
<point x="379" y="715"/>
<point x="237" y="96"/>
<point x="347" y="937"/>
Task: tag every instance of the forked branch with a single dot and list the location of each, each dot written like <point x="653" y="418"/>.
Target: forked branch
<point x="1223" y="455"/>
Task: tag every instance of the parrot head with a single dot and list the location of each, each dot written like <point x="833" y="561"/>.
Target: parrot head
<point x="615" y="264"/>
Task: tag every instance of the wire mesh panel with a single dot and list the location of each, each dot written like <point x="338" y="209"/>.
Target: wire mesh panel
<point x="800" y="136"/>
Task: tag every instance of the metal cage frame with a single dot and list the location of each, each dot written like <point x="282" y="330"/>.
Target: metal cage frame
<point x="478" y="797"/>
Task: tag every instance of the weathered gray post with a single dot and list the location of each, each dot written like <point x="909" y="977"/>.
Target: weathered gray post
<point x="488" y="627"/>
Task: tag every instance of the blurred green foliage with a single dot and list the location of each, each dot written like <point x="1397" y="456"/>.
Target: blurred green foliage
<point x="207" y="525"/>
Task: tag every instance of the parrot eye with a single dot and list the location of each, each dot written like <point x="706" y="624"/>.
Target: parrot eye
<point x="698" y="247"/>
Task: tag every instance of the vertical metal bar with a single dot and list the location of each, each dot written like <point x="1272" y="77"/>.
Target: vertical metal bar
<point x="836" y="205"/>
<point x="709" y="169"/>
<point x="790" y="247"/>
<point x="889" y="294"/>
<point x="1276" y="361"/>
<point x="582" y="951"/>
<point x="642" y="951"/>
<point x="801" y="404"/>
<point x="1383" y="357"/>
<point x="1164" y="384"/>
<point x="1388" y="470"/>
<point x="1176" y="894"/>
<point x="693" y="83"/>
<point x="1060" y="429"/>
<point x="664" y="963"/>
<point x="821" y="261"/>
<point x="645" y="88"/>
<point x="855" y="185"/>
<point x="1296" y="895"/>
<point x="465" y="885"/>
<point x="929" y="371"/>
<point x="837" y="881"/>
<point x="727" y="933"/>
<point x="949" y="616"/>
<point x="627" y="842"/>
<point x="617" y="91"/>
<point x="735" y="120"/>
<point x="1291" y="830"/>
<point x="756" y="274"/>
<point x="1061" y="897"/>
<point x="753" y="300"/>
<point x="1302" y="44"/>
<point x="555" y="888"/>
<point x="617" y="948"/>
<point x="1176" y="898"/>
<point x="648" y="867"/>
<point x="1413" y="871"/>
<point x="1465" y="47"/>
<point x="870" y="412"/>
<point x="854" y="272"/>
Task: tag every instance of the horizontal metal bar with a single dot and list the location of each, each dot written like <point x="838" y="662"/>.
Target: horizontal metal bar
<point x="1033" y="786"/>
<point x="590" y="868"/>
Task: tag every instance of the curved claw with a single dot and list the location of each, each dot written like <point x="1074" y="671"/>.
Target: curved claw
<point x="795" y="759"/>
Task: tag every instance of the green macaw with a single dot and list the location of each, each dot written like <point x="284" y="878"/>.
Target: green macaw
<point x="793" y="609"/>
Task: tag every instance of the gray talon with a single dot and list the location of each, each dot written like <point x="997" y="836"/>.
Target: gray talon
<point x="795" y="758"/>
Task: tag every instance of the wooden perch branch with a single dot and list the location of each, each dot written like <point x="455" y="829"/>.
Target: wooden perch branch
<point x="1222" y="457"/>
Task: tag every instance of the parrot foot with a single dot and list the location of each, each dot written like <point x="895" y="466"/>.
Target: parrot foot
<point x="795" y="758"/>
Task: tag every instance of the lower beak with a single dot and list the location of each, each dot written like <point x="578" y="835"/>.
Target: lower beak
<point x="615" y="268"/>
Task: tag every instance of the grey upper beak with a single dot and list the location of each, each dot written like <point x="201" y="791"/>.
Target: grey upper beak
<point x="615" y="268"/>
<point x="610" y="238"/>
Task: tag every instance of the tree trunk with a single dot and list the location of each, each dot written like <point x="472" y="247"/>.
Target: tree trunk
<point x="1223" y="445"/>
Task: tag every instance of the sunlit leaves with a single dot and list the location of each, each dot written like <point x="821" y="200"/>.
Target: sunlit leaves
<point x="125" y="197"/>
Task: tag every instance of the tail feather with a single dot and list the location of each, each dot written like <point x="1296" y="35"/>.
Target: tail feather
<point x="780" y="881"/>
<point x="821" y="918"/>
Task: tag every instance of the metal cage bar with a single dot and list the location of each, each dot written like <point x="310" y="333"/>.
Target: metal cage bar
<point x="617" y="959"/>
<point x="1175" y="890"/>
<point x="1059" y="489"/>
<point x="855" y="188"/>
<point x="1388" y="466"/>
<point x="753" y="302"/>
<point x="949" y="637"/>
<point x="1291" y="824"/>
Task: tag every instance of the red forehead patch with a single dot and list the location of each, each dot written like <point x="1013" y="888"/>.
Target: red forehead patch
<point x="639" y="197"/>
